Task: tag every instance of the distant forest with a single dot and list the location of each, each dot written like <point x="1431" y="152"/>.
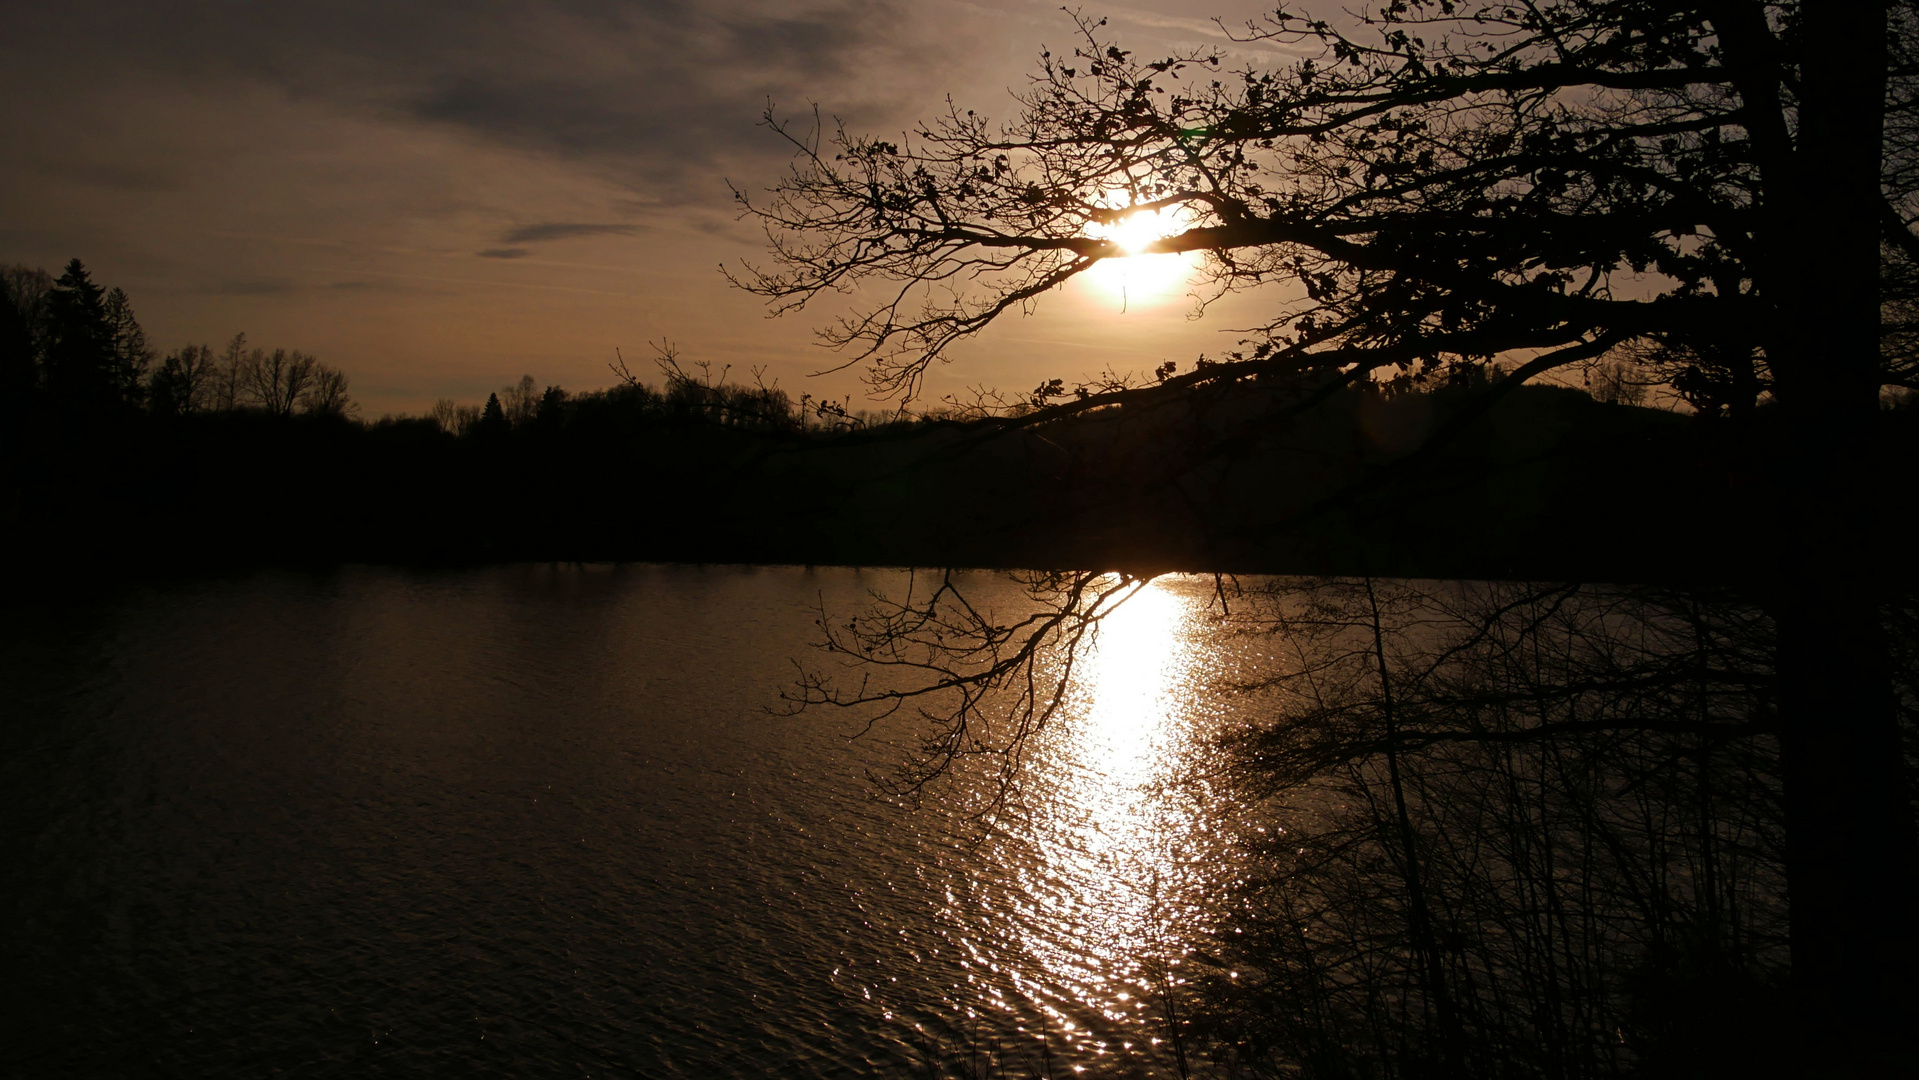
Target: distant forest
<point x="73" y="348"/>
<point x="123" y="458"/>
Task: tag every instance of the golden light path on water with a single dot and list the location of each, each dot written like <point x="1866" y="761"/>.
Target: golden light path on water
<point x="1115" y="856"/>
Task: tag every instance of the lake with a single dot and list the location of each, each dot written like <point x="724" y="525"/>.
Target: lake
<point x="540" y="821"/>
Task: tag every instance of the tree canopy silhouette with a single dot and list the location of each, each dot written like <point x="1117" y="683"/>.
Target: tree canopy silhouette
<point x="1728" y="187"/>
<point x="96" y="354"/>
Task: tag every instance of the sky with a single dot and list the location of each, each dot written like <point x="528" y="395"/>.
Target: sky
<point x="442" y="195"/>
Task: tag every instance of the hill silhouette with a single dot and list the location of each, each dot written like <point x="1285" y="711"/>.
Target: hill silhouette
<point x="1245" y="478"/>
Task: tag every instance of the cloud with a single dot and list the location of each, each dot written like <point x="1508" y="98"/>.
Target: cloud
<point x="119" y="175"/>
<point x="504" y="253"/>
<point x="662" y="94"/>
<point x="256" y="286"/>
<point x="556" y="230"/>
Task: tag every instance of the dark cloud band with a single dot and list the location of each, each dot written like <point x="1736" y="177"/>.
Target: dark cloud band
<point x="555" y="230"/>
<point x="662" y="94"/>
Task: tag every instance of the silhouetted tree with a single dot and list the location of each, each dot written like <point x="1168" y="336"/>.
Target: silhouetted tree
<point x="81" y="368"/>
<point x="129" y="355"/>
<point x="1464" y="182"/>
<point x="1731" y="380"/>
<point x="184" y="382"/>
<point x="277" y="381"/>
<point x="552" y="408"/>
<point x="23" y="319"/>
<point x="18" y="369"/>
<point x="326" y="393"/>
<point x="493" y="423"/>
<point x="1614" y="382"/>
<point x="228" y="385"/>
<point x="453" y="417"/>
<point x="23" y="294"/>
<point x="520" y="401"/>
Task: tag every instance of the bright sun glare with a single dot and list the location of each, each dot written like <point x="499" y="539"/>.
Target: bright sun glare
<point x="1140" y="278"/>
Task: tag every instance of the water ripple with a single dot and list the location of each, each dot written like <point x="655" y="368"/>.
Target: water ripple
<point x="535" y="821"/>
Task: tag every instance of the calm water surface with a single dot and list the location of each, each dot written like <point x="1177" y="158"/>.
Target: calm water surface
<point x="537" y="821"/>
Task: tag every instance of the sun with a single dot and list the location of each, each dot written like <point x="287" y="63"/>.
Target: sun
<point x="1136" y="278"/>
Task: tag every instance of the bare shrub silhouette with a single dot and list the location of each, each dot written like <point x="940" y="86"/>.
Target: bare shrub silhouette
<point x="1509" y="830"/>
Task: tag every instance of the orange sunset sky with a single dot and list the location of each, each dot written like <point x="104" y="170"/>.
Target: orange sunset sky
<point x="439" y="197"/>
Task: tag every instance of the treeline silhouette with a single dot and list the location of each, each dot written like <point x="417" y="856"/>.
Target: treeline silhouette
<point x="126" y="459"/>
<point x="72" y="348"/>
<point x="690" y="393"/>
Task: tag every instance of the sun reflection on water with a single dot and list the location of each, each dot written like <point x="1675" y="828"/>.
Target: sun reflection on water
<point x="1137" y="655"/>
<point x="1113" y="877"/>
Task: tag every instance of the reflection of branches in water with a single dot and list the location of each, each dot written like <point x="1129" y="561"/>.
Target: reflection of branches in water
<point x="982" y="684"/>
<point x="1575" y="873"/>
<point x="1591" y="793"/>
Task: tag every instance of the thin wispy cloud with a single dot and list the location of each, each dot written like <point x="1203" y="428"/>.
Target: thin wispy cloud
<point x="557" y="230"/>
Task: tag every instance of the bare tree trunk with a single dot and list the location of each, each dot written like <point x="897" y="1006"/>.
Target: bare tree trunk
<point x="1852" y="855"/>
